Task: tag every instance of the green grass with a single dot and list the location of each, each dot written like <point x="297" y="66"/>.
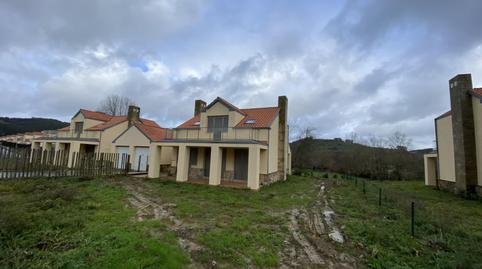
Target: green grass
<point x="448" y="229"/>
<point x="70" y="223"/>
<point x="74" y="223"/>
<point x="238" y="227"/>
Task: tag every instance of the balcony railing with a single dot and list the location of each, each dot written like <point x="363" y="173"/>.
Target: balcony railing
<point x="219" y="134"/>
<point x="72" y="135"/>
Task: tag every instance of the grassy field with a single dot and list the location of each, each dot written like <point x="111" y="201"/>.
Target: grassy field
<point x="74" y="223"/>
<point x="80" y="223"/>
<point x="448" y="229"/>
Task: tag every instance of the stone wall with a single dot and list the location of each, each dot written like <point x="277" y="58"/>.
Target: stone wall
<point x="463" y="134"/>
<point x="196" y="173"/>
<point x="228" y="175"/>
<point x="447" y="185"/>
<point x="267" y="179"/>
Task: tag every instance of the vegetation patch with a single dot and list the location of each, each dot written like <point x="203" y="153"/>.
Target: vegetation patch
<point x="447" y="229"/>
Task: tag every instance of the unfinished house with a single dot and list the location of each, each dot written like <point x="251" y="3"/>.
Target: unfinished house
<point x="457" y="163"/>
<point x="225" y="145"/>
<point x="95" y="132"/>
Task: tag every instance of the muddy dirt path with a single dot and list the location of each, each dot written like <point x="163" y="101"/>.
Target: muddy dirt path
<point x="150" y="207"/>
<point x="316" y="237"/>
<point x="312" y="243"/>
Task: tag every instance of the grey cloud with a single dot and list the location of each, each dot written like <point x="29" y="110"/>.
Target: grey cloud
<point x="76" y="24"/>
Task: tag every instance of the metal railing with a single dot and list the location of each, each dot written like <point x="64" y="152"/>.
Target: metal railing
<point x="72" y="134"/>
<point x="219" y="134"/>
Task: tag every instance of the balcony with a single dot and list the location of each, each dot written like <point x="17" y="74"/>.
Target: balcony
<point x="220" y="134"/>
<point x="70" y="135"/>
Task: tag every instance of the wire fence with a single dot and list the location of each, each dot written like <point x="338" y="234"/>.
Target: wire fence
<point x="420" y="219"/>
<point x="27" y="163"/>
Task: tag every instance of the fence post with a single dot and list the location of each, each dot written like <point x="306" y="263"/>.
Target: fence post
<point x="413" y="219"/>
<point x="128" y="163"/>
<point x="380" y="197"/>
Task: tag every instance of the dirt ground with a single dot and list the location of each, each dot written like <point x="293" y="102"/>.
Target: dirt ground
<point x="312" y="242"/>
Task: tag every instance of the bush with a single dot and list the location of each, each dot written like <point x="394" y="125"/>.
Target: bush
<point x="325" y="176"/>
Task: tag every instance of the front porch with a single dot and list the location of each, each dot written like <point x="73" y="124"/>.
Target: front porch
<point x="227" y="165"/>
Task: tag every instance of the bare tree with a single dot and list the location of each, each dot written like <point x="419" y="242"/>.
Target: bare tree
<point x="399" y="140"/>
<point x="116" y="105"/>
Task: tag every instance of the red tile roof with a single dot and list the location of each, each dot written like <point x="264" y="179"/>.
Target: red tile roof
<point x="95" y="115"/>
<point x="66" y="128"/>
<point x="117" y="120"/>
<point x="154" y="133"/>
<point x="190" y="123"/>
<point x="263" y="117"/>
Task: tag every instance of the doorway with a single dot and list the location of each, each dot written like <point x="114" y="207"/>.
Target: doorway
<point x="241" y="164"/>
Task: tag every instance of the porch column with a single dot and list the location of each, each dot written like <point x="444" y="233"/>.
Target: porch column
<point x="253" y="168"/>
<point x="132" y="158"/>
<point x="215" y="166"/>
<point x="154" y="161"/>
<point x="56" y="149"/>
<point x="74" y="147"/>
<point x="182" y="163"/>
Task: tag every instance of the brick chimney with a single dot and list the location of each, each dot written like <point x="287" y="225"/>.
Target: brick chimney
<point x="133" y="115"/>
<point x="282" y="136"/>
<point x="199" y="106"/>
<point x="463" y="134"/>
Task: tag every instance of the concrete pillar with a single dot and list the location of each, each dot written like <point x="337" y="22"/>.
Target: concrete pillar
<point x="74" y="147"/>
<point x="132" y="158"/>
<point x="215" y="166"/>
<point x="182" y="163"/>
<point x="463" y="134"/>
<point x="253" y="167"/>
<point x="155" y="153"/>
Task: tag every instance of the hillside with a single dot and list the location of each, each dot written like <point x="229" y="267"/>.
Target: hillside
<point x="21" y="125"/>
<point x="346" y="157"/>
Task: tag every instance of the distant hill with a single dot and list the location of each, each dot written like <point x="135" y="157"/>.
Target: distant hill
<point x="21" y="125"/>
<point x="347" y="157"/>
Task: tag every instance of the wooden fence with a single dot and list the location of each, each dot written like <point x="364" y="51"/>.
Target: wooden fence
<point x="27" y="163"/>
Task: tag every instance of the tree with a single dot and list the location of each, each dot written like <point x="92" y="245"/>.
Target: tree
<point x="116" y="105"/>
<point x="399" y="141"/>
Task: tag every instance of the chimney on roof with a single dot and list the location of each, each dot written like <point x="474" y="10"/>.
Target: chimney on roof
<point x="283" y="136"/>
<point x="133" y="115"/>
<point x="199" y="106"/>
<point x="463" y="134"/>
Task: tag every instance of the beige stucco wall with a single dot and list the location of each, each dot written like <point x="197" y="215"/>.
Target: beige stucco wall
<point x="445" y="149"/>
<point x="108" y="136"/>
<point x="477" y="107"/>
<point x="430" y="165"/>
<point x="87" y="122"/>
<point x="133" y="137"/>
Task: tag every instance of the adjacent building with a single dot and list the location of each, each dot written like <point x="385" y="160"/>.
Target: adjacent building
<point x="457" y="163"/>
<point x="97" y="132"/>
<point x="226" y="145"/>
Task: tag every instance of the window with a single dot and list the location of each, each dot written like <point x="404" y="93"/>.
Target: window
<point x="217" y="123"/>
<point x="79" y="126"/>
<point x="250" y="122"/>
<point x="193" y="156"/>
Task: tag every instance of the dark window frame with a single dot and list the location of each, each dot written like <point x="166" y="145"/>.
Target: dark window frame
<point x="218" y="123"/>
<point x="79" y="127"/>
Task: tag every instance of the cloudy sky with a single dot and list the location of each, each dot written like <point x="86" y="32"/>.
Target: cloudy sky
<point x="370" y="67"/>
